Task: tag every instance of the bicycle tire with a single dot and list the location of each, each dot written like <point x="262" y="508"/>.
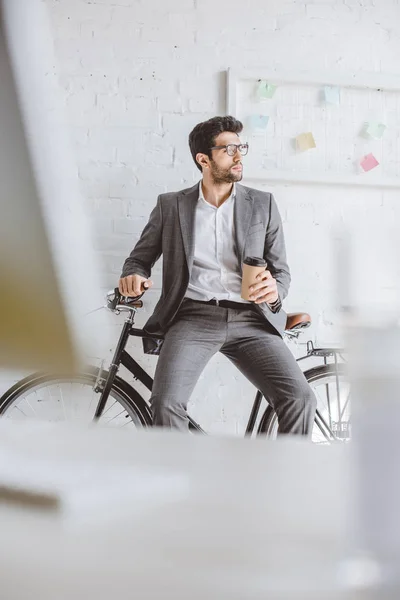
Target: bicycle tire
<point x="268" y="422"/>
<point x="129" y="398"/>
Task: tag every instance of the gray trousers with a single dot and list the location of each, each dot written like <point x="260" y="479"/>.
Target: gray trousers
<point x="243" y="336"/>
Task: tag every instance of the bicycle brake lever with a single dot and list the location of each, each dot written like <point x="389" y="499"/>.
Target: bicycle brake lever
<point x="120" y="299"/>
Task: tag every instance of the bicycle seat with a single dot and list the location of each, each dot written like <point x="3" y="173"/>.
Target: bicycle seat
<point x="297" y="321"/>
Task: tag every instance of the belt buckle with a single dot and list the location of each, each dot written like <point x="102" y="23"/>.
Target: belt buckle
<point x="215" y="301"/>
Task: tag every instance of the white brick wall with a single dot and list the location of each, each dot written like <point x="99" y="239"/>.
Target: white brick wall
<point x="139" y="74"/>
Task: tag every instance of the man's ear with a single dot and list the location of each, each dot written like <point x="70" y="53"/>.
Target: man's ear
<point x="203" y="160"/>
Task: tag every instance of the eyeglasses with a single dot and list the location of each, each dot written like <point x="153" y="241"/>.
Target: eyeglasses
<point x="231" y="149"/>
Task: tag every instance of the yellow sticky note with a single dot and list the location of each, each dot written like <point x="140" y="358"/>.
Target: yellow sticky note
<point x="305" y="141"/>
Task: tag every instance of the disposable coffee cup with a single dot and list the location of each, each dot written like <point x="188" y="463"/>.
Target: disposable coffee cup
<point x="252" y="266"/>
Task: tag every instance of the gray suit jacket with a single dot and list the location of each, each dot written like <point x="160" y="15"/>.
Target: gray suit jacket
<point x="170" y="232"/>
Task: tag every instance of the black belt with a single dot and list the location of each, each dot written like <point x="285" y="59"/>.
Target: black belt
<point x="224" y="303"/>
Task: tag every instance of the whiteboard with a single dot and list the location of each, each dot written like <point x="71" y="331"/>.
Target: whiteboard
<point x="299" y="106"/>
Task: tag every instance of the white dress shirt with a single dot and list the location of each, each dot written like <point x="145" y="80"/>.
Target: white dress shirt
<point x="216" y="270"/>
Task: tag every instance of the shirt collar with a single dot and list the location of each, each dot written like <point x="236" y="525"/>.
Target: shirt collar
<point x="201" y="195"/>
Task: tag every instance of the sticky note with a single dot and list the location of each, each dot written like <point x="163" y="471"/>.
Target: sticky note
<point x="265" y="89"/>
<point x="332" y="94"/>
<point x="375" y="130"/>
<point x="259" y="122"/>
<point x="305" y="141"/>
<point x="369" y="162"/>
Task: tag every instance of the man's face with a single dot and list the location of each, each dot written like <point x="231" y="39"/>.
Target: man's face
<point x="225" y="168"/>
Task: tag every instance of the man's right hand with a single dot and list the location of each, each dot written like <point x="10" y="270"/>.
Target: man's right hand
<point x="134" y="285"/>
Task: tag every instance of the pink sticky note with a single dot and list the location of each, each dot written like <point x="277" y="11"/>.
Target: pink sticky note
<point x="369" y="162"/>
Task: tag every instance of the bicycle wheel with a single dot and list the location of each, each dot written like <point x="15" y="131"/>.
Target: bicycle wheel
<point x="53" y="397"/>
<point x="332" y="421"/>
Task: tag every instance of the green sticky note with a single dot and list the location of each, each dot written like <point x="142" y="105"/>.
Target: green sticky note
<point x="265" y="89"/>
<point x="375" y="130"/>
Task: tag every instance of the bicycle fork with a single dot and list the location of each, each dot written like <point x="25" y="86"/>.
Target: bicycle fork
<point x="114" y="366"/>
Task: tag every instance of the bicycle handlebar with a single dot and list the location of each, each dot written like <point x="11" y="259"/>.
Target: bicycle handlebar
<point x="115" y="298"/>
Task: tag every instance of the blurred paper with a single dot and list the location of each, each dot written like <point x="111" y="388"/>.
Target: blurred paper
<point x="266" y="90"/>
<point x="375" y="130"/>
<point x="48" y="274"/>
<point x="332" y="94"/>
<point x="369" y="162"/>
<point x="259" y="122"/>
<point x="305" y="141"/>
<point x="159" y="502"/>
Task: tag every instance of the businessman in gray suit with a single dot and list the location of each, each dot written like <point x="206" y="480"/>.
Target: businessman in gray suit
<point x="204" y="233"/>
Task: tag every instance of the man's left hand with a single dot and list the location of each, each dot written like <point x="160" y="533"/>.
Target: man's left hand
<point x="265" y="290"/>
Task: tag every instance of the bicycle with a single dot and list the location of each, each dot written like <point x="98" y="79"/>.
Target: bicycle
<point x="110" y="393"/>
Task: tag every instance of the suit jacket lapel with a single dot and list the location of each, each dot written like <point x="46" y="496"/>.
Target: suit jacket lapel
<point x="187" y="203"/>
<point x="242" y="218"/>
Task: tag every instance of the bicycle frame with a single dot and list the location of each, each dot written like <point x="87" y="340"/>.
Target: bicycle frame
<point x="122" y="357"/>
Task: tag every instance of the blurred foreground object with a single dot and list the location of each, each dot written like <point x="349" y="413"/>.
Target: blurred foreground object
<point x="163" y="515"/>
<point x="47" y="268"/>
<point x="373" y="567"/>
<point x="368" y="290"/>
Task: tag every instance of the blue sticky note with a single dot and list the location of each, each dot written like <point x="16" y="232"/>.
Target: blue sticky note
<point x="259" y="122"/>
<point x="332" y="94"/>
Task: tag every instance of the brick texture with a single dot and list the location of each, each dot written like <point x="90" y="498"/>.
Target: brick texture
<point x="138" y="74"/>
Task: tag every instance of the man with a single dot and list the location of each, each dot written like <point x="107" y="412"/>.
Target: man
<point x="204" y="233"/>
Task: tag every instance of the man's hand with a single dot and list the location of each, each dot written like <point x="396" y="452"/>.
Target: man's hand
<point x="134" y="285"/>
<point x="265" y="290"/>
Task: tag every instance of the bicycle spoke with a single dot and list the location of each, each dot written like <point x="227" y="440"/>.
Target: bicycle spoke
<point x="63" y="404"/>
<point x="108" y="409"/>
<point x="109" y="421"/>
<point x="91" y="399"/>
<point x="70" y="400"/>
<point x="31" y="407"/>
<point x="318" y="418"/>
<point x="345" y="404"/>
<point x="21" y="411"/>
<point x="328" y="400"/>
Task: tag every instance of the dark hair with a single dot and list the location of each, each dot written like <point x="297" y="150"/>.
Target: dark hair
<point x="202" y="137"/>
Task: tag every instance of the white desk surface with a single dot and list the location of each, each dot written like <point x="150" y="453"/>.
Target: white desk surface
<point x="163" y="515"/>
